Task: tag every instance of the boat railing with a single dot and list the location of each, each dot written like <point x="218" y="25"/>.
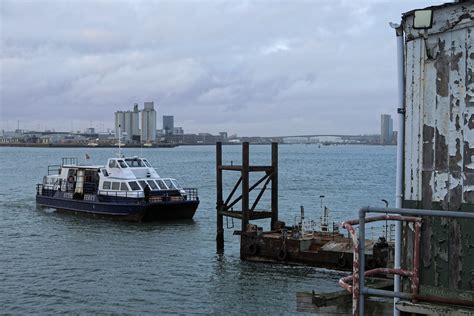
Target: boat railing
<point x="41" y="190"/>
<point x="54" y="170"/>
<point x="191" y="194"/>
<point x="121" y="194"/>
<point x="69" y="161"/>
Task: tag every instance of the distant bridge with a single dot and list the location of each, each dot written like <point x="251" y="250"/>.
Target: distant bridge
<point x="317" y="135"/>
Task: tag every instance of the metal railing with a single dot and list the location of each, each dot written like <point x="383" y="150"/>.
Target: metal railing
<point x="358" y="288"/>
<point x="69" y="161"/>
<point x="54" y="169"/>
<point x="191" y="194"/>
<point x="155" y="196"/>
<point x="41" y="190"/>
<point x="121" y="194"/>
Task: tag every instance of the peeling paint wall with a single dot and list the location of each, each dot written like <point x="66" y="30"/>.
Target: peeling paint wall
<point x="439" y="141"/>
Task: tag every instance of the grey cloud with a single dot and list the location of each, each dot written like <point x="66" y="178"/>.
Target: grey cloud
<point x="247" y="67"/>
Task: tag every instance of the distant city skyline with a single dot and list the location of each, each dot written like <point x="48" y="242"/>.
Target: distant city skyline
<point x="292" y="68"/>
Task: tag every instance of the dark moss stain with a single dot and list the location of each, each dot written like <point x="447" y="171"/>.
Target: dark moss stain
<point x="442" y="71"/>
<point x="455" y="198"/>
<point x="454" y="165"/>
<point x="455" y="61"/>
<point x="453" y="102"/>
<point x="468" y="179"/>
<point x="428" y="148"/>
<point x="441" y="148"/>
<point x="470" y="124"/>
<point x="469" y="83"/>
<point x="468" y="153"/>
<point x="455" y="248"/>
<point x="469" y="195"/>
<point x="426" y="235"/>
<point x="427" y="193"/>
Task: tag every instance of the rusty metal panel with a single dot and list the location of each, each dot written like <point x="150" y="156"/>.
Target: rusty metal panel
<point x="439" y="142"/>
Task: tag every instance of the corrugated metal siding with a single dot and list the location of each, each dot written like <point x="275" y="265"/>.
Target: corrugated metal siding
<point x="439" y="143"/>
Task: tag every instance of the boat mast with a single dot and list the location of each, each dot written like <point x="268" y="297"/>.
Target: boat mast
<point x="120" y="141"/>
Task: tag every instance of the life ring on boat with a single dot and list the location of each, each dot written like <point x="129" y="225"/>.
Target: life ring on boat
<point x="252" y="249"/>
<point x="341" y="262"/>
<point x="282" y="254"/>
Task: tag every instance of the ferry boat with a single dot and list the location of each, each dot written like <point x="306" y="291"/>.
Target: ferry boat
<point x="127" y="188"/>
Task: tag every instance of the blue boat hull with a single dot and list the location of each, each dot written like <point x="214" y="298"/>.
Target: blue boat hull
<point x="129" y="210"/>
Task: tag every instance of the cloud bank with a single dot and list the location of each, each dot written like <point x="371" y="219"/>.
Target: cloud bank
<point x="247" y="67"/>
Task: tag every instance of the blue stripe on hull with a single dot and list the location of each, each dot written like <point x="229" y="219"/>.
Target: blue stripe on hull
<point x="126" y="211"/>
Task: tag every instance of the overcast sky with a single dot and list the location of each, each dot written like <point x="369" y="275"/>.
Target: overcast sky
<point x="246" y="67"/>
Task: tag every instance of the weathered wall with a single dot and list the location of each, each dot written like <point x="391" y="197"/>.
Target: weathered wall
<point x="439" y="143"/>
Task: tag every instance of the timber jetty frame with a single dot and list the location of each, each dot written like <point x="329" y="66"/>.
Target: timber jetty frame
<point x="225" y="208"/>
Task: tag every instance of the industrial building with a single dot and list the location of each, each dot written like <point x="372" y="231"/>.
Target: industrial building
<point x="128" y="122"/>
<point x="168" y="124"/>
<point x="386" y="129"/>
<point x="148" y="123"/>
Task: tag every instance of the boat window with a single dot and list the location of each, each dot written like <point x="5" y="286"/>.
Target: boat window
<point x="115" y="185"/>
<point x="176" y="184"/>
<point x="146" y="163"/>
<point x="134" y="186"/>
<point x="122" y="164"/>
<point x="124" y="186"/>
<point x="142" y="184"/>
<point x="152" y="184"/>
<point x="106" y="185"/>
<point x="105" y="173"/>
<point x="169" y="184"/>
<point x="112" y="164"/>
<point x="161" y="185"/>
<point x="134" y="162"/>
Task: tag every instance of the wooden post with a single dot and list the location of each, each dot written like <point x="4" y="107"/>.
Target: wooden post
<point x="274" y="202"/>
<point x="245" y="185"/>
<point x="219" y="200"/>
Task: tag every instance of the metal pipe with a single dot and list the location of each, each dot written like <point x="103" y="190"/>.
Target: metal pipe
<point x="361" y="261"/>
<point x="354" y="289"/>
<point x="422" y="298"/>
<point x="400" y="145"/>
<point x="385" y="293"/>
<point x="418" y="212"/>
<point x="415" y="280"/>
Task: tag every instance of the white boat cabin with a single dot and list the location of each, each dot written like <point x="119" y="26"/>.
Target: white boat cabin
<point x="119" y="176"/>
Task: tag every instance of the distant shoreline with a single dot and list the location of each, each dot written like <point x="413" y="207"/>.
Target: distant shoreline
<point x="169" y="145"/>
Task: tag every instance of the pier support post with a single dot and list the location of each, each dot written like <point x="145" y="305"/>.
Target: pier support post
<point x="274" y="202"/>
<point x="219" y="199"/>
<point x="245" y="185"/>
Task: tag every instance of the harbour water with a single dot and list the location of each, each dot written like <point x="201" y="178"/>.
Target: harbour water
<point x="60" y="263"/>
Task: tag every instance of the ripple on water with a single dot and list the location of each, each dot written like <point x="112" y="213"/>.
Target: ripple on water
<point x="52" y="262"/>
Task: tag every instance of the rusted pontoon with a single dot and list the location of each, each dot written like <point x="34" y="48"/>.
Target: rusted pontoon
<point x="325" y="247"/>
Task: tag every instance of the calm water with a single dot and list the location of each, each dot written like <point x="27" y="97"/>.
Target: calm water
<point x="60" y="263"/>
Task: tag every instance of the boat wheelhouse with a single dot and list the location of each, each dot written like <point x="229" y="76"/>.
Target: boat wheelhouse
<point x="126" y="187"/>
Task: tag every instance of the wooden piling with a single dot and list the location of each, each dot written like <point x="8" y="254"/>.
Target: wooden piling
<point x="274" y="198"/>
<point x="245" y="185"/>
<point x="246" y="213"/>
<point x="219" y="200"/>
